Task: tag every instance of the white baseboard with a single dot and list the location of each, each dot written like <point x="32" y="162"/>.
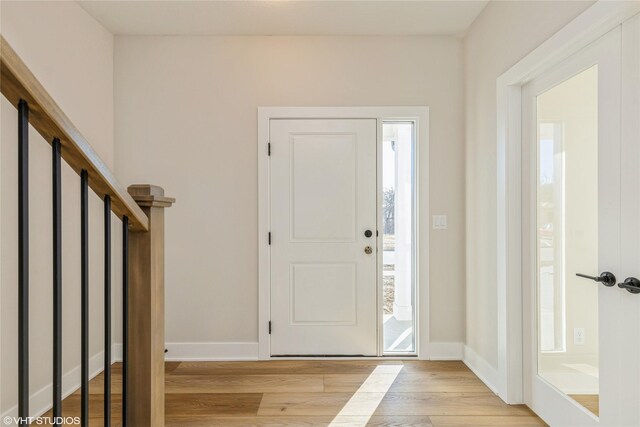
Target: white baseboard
<point x="40" y="401"/>
<point x="445" y="350"/>
<point x="483" y="369"/>
<point x="210" y="351"/>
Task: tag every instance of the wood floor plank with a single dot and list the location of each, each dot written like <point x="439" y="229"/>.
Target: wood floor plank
<point x="312" y="403"/>
<point x="243" y="383"/>
<point x="380" y="421"/>
<point x="116" y="368"/>
<point x="399" y="421"/>
<point x="391" y="404"/>
<point x="293" y="421"/>
<point x="241" y="421"/>
<point x="241" y="404"/>
<point x="455" y="381"/>
<point x="93" y="422"/>
<point x="276" y="367"/>
<point x="170" y="366"/>
<point x="590" y="401"/>
<point x="443" y="382"/>
<point x="493" y="421"/>
<point x="96" y="385"/>
<point x="434" y="366"/>
<point x="480" y="404"/>
<point x="71" y="406"/>
<point x="350" y="383"/>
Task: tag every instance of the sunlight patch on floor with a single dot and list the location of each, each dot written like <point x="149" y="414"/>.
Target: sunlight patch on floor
<point x="365" y="401"/>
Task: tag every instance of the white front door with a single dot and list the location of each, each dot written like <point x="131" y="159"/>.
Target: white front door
<point x="581" y="136"/>
<point x="323" y="237"/>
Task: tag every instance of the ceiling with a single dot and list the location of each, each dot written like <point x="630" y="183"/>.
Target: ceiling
<point x="285" y="17"/>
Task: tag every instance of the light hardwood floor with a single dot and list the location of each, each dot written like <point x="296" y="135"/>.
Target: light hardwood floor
<point x="320" y="393"/>
<point x="589" y="401"/>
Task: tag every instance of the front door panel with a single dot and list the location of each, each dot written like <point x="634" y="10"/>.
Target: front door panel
<point x="323" y="193"/>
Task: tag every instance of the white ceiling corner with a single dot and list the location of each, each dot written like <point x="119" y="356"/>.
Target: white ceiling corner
<point x="284" y="17"/>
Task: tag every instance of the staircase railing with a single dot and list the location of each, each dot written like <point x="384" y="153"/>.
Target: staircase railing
<point x="141" y="209"/>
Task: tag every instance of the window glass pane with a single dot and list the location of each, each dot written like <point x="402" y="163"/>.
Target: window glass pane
<point x="398" y="237"/>
<point x="567" y="237"/>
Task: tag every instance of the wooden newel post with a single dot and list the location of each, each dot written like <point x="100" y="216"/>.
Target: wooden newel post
<point x="145" y="395"/>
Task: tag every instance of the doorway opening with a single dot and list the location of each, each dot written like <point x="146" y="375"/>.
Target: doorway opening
<point x="398" y="237"/>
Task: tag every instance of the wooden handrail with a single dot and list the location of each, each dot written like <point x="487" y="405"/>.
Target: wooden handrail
<point x="18" y="82"/>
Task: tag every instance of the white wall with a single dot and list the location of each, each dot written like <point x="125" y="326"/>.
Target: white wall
<point x="72" y="56"/>
<point x="501" y="35"/>
<point x="186" y="113"/>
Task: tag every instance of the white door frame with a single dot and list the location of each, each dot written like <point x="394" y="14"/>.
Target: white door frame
<point x="419" y="115"/>
<point x="593" y="23"/>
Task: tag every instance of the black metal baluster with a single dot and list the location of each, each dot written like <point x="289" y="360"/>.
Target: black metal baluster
<point x="23" y="261"/>
<point x="57" y="280"/>
<point x="84" y="297"/>
<point x="107" y="311"/>
<point x="125" y="313"/>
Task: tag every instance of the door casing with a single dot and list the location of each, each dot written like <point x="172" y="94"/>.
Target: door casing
<point x="420" y="116"/>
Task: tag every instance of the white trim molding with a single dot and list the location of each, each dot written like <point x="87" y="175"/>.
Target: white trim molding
<point x="483" y="369"/>
<point x="583" y="30"/>
<point x="418" y="114"/>
<point x="211" y="351"/>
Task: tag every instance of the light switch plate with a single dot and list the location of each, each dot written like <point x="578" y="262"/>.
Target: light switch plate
<point x="439" y="222"/>
<point x="578" y="336"/>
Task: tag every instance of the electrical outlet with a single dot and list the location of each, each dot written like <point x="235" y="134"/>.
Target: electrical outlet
<point x="578" y="336"/>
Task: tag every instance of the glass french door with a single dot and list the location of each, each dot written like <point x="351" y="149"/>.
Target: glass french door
<point x="580" y="194"/>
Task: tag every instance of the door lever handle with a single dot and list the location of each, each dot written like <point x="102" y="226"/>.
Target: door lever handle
<point x="631" y="284"/>
<point x="606" y="278"/>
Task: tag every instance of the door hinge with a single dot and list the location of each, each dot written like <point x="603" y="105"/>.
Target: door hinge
<point x="269" y="237"/>
<point x="269" y="327"/>
<point x="268" y="149"/>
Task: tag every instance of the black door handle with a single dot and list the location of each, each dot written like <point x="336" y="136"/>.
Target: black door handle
<point x="631" y="284"/>
<point x="606" y="278"/>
